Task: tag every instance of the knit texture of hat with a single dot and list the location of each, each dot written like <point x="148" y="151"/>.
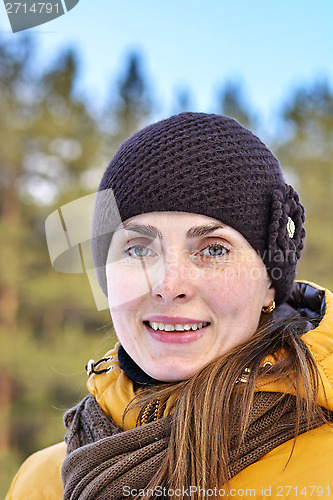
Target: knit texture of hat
<point x="204" y="164"/>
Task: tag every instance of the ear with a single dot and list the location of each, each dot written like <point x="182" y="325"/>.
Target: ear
<point x="270" y="295"/>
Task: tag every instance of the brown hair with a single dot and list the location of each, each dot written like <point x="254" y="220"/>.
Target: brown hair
<point x="198" y="452"/>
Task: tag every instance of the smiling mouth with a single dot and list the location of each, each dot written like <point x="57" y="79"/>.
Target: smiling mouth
<point x="164" y="327"/>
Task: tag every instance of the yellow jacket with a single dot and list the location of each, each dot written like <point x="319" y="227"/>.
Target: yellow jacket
<point x="309" y="472"/>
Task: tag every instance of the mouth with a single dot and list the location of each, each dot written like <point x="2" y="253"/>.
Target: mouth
<point x="165" y="327"/>
<point x="179" y="333"/>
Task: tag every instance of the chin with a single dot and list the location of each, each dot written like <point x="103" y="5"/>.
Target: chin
<point x="170" y="375"/>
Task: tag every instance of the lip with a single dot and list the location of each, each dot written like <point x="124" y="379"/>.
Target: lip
<point x="176" y="337"/>
<point x="173" y="320"/>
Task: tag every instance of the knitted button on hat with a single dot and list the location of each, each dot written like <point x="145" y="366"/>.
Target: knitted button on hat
<point x="204" y="164"/>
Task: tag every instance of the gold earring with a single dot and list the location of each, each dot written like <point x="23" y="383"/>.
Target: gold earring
<point x="270" y="308"/>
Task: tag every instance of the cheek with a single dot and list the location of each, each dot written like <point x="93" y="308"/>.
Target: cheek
<point x="124" y="321"/>
<point x="126" y="286"/>
<point x="222" y="290"/>
<point x="121" y="320"/>
<point x="235" y="289"/>
<point x="123" y="324"/>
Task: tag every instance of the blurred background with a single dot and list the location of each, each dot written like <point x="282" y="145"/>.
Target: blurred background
<point x="70" y="92"/>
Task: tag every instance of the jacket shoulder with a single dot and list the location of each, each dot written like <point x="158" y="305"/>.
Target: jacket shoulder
<point x="305" y="473"/>
<point x="40" y="476"/>
<point x="320" y="342"/>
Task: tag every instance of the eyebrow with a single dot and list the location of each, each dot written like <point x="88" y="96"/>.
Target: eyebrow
<point x="152" y="232"/>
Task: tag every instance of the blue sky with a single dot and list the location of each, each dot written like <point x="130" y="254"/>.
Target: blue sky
<point x="271" y="45"/>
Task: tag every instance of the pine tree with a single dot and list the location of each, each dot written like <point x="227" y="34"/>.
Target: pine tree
<point x="232" y="102"/>
<point x="48" y="319"/>
<point x="130" y="107"/>
<point x="306" y="151"/>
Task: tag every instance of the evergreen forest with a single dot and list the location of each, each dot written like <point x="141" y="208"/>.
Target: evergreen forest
<point x="54" y="147"/>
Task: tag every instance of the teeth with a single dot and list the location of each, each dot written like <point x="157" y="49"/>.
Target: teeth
<point x="178" y="327"/>
<point x="169" y="328"/>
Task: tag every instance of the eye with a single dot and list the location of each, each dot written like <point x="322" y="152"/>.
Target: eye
<point x="140" y="251"/>
<point x="215" y="250"/>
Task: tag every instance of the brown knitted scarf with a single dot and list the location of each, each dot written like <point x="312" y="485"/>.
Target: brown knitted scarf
<point x="102" y="459"/>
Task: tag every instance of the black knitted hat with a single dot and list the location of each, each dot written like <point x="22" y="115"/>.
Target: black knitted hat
<point x="205" y="164"/>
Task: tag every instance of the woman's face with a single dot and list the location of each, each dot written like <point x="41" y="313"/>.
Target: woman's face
<point x="183" y="289"/>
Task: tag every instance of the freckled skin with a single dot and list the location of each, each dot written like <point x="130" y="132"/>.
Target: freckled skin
<point x="184" y="277"/>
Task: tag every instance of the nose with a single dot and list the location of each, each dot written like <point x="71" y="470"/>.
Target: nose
<point x="175" y="282"/>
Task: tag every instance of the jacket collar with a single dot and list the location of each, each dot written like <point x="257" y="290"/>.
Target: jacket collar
<point x="316" y="305"/>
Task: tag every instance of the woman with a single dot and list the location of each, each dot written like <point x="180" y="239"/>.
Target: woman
<point x="221" y="384"/>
